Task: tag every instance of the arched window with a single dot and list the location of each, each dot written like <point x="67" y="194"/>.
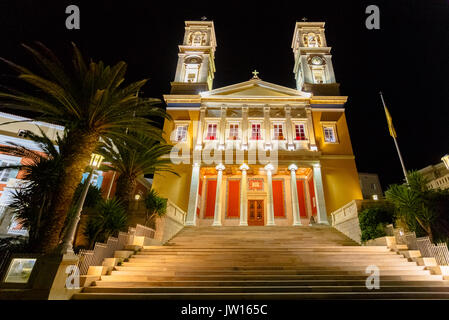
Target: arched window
<point x="192" y="68"/>
<point x="197" y="38"/>
<point x="312" y="40"/>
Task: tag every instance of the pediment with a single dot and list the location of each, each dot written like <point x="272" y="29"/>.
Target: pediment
<point x="255" y="88"/>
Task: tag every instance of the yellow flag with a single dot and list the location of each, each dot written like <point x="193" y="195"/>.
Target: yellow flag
<point x="390" y="124"/>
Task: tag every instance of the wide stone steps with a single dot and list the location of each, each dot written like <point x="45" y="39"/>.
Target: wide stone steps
<point x="268" y="295"/>
<point x="131" y="266"/>
<point x="264" y="263"/>
<point x="263" y="283"/>
<point x="247" y="289"/>
<point x="144" y="277"/>
<point x="128" y="271"/>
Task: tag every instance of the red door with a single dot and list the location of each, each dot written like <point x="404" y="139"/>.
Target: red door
<point x="255" y="213"/>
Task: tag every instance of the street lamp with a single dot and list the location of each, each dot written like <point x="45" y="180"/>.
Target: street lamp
<point x="67" y="242"/>
<point x="446" y="161"/>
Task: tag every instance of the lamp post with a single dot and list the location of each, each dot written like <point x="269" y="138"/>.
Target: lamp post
<point x="446" y="161"/>
<point x="67" y="243"/>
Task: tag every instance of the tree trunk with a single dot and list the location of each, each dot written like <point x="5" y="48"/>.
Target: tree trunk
<point x="125" y="189"/>
<point x="427" y="228"/>
<point x="76" y="157"/>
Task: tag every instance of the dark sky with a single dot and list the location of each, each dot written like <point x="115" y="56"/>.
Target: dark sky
<point x="407" y="58"/>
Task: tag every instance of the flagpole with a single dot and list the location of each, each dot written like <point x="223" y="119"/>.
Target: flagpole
<point x="396" y="144"/>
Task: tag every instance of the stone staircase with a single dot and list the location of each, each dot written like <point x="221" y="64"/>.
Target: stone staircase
<point x="264" y="263"/>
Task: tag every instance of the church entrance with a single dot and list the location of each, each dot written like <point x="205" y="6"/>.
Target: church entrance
<point x="255" y="213"/>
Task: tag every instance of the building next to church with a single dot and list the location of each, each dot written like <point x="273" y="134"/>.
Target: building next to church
<point x="12" y="131"/>
<point x="437" y="174"/>
<point x="370" y="185"/>
<point x="257" y="153"/>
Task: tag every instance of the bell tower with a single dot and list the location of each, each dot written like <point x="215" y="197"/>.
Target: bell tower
<point x="195" y="69"/>
<point x="313" y="62"/>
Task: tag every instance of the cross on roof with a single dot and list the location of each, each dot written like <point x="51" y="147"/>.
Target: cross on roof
<point x="304" y="19"/>
<point x="255" y="73"/>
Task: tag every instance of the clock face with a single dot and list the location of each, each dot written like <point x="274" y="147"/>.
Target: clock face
<point x="317" y="60"/>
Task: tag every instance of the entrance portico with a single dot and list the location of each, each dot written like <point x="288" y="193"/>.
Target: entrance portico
<point x="232" y="195"/>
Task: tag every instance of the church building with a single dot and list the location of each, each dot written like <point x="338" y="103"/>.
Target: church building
<point x="257" y="153"/>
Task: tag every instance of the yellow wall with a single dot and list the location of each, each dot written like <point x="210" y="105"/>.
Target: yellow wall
<point x="340" y="182"/>
<point x="175" y="188"/>
<point x="344" y="141"/>
<point x="169" y="185"/>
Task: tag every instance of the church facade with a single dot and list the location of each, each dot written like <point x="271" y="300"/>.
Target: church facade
<point x="257" y="153"/>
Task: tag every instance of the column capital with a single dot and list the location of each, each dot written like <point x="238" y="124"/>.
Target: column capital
<point x="316" y="165"/>
<point x="269" y="167"/>
<point x="244" y="167"/>
<point x="287" y="108"/>
<point x="196" y="165"/>
<point x="220" y="167"/>
<point x="292" y="167"/>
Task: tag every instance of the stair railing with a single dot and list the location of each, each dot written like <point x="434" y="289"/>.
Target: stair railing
<point x="438" y="251"/>
<point x="101" y="250"/>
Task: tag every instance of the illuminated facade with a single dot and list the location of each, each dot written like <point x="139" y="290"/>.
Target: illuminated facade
<point x="256" y="153"/>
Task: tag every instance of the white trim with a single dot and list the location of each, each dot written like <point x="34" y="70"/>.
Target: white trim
<point x="177" y="124"/>
<point x="39" y="123"/>
<point x="228" y="130"/>
<point x="4" y="140"/>
<point x="333" y="126"/>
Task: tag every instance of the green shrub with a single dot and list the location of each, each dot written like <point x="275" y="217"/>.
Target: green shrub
<point x="373" y="221"/>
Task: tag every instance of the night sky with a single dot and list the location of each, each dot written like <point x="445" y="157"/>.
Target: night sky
<point x="408" y="58"/>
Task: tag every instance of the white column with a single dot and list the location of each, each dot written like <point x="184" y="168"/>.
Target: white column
<point x="309" y="208"/>
<point x="294" y="190"/>
<point x="319" y="194"/>
<point x="217" y="214"/>
<point x="243" y="196"/>
<point x="267" y="127"/>
<point x="289" y="128"/>
<point x="270" y="208"/>
<point x="199" y="134"/>
<point x="193" y="196"/>
<point x="311" y="130"/>
<point x="221" y="145"/>
<point x="244" y="128"/>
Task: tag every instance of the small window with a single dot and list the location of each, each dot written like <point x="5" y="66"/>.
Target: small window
<point x="300" y="132"/>
<point x="329" y="134"/>
<point x="181" y="133"/>
<point x="233" y="131"/>
<point x="211" y="131"/>
<point x="255" y="131"/>
<point x="278" y="132"/>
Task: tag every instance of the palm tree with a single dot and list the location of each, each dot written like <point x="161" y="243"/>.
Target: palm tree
<point x="411" y="203"/>
<point x="92" y="103"/>
<point x="108" y="221"/>
<point x="133" y="159"/>
<point x="156" y="206"/>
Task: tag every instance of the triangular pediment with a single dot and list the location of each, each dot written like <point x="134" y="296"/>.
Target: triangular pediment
<point x="255" y="88"/>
